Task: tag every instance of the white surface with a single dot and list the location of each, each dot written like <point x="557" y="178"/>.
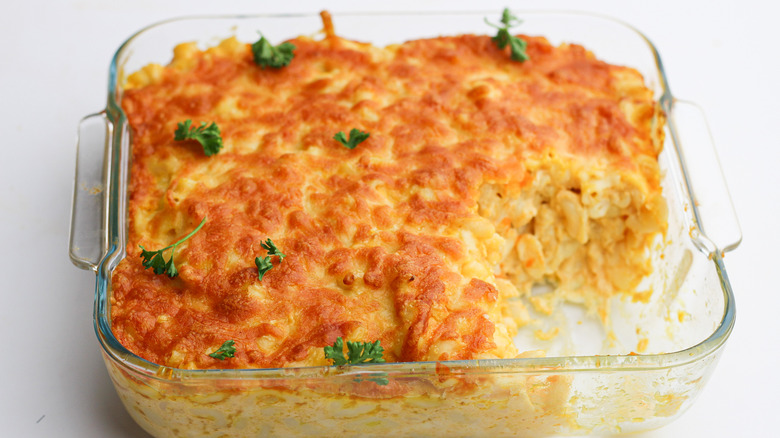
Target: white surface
<point x="54" y="62"/>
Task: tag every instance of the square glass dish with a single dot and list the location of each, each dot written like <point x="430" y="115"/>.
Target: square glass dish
<point x="591" y="381"/>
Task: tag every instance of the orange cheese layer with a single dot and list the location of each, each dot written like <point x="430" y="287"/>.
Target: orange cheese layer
<point x="481" y="177"/>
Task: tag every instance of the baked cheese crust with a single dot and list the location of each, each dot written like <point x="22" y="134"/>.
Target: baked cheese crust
<point x="481" y="178"/>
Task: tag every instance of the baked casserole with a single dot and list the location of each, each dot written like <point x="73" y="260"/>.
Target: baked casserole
<point x="602" y="353"/>
<point x="481" y="177"/>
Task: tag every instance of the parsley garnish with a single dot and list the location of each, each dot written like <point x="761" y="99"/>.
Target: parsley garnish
<point x="156" y="261"/>
<point x="356" y="137"/>
<point x="264" y="264"/>
<point x="208" y="136"/>
<point x="267" y="55"/>
<point x="225" y="351"/>
<point x="272" y="250"/>
<point x="503" y="37"/>
<point x="358" y="352"/>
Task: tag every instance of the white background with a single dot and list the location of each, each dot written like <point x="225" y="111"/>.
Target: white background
<point x="53" y="71"/>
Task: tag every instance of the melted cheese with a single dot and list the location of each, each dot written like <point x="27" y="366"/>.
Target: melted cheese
<point x="481" y="177"/>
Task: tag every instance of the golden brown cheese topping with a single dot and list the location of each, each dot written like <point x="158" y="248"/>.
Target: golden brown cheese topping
<point x="481" y="177"/>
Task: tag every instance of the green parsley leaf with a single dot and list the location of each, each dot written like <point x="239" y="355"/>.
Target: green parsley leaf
<point x="263" y="265"/>
<point x="356" y="137"/>
<point x="358" y="352"/>
<point x="509" y="19"/>
<point x="225" y="351"/>
<point x="272" y="249"/>
<point x="517" y="46"/>
<point x="267" y="55"/>
<point x="208" y="136"/>
<point x="156" y="260"/>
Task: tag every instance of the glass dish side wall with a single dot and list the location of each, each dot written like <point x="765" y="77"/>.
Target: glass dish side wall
<point x="567" y="394"/>
<point x="516" y="402"/>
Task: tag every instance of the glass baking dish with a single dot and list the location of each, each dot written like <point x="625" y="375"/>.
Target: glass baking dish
<point x="592" y="380"/>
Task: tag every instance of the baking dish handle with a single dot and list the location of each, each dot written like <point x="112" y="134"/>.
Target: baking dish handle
<point x="87" y="224"/>
<point x="712" y="207"/>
